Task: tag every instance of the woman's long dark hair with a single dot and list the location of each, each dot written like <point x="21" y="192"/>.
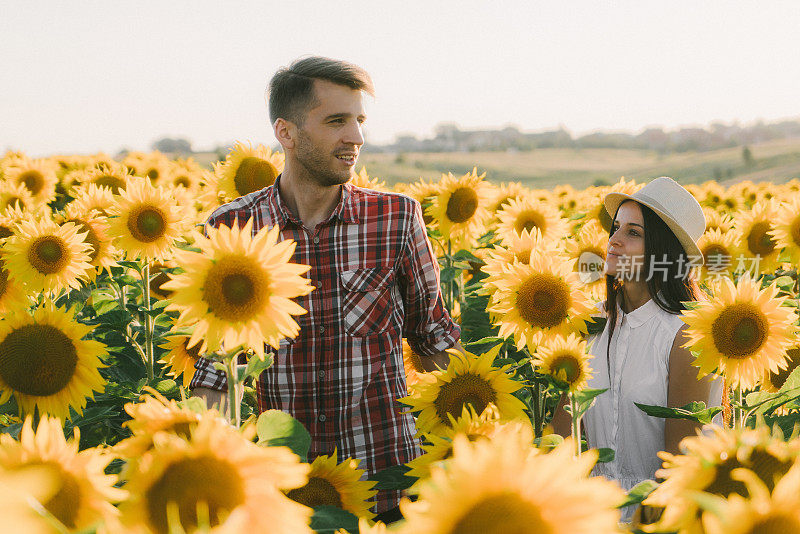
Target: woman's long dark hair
<point x="668" y="287"/>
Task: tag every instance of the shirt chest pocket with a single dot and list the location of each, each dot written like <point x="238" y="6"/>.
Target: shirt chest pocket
<point x="367" y="300"/>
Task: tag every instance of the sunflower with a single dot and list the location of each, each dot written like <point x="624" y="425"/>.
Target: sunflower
<point x="147" y="222"/>
<point x="180" y="358"/>
<point x="720" y="252"/>
<point x="15" y="195"/>
<point x="219" y="474"/>
<point x="38" y="177"/>
<point x="439" y="447"/>
<point x="247" y="169"/>
<point x="45" y="257"/>
<point x="505" y="485"/>
<point x="743" y="332"/>
<point x="527" y="214"/>
<point x="92" y="197"/>
<point x="505" y="193"/>
<point x="21" y="493"/>
<point x="185" y="173"/>
<point x="711" y="194"/>
<point x="598" y="210"/>
<point x="774" y="381"/>
<point x="544" y="295"/>
<point x="412" y="363"/>
<point x="111" y="176"/>
<point x="421" y="191"/>
<point x="716" y="220"/>
<point x="362" y="179"/>
<point x="469" y="380"/>
<point x="84" y="493"/>
<point x="336" y="484"/>
<point x="765" y="512"/>
<point x="707" y="465"/>
<point x="238" y="289"/>
<point x="45" y="362"/>
<point x="95" y="229"/>
<point x="154" y="414"/>
<point x="155" y="168"/>
<point x="459" y="209"/>
<point x="565" y="359"/>
<point x="588" y="254"/>
<point x="786" y="231"/>
<point x="756" y="227"/>
<point x="12" y="294"/>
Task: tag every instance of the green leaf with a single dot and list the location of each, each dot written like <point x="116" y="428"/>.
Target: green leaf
<point x="694" y="411"/>
<point x="605" y="455"/>
<point x="136" y="265"/>
<point x="639" y="492"/>
<point x="166" y="387"/>
<point x="255" y="366"/>
<point x="449" y="274"/>
<point x="785" y="282"/>
<point x="329" y="519"/>
<point x="466" y="255"/>
<point x="279" y="429"/>
<point x="585" y="399"/>
<point x="597" y="326"/>
<point x="485" y="340"/>
<point x="393" y="478"/>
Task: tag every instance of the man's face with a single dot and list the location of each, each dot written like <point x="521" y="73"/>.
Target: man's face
<point x="329" y="140"/>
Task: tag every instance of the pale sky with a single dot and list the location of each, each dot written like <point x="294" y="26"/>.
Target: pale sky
<point x="83" y="76"/>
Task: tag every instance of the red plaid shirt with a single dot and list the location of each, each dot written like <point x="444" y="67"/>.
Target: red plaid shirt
<point x="376" y="281"/>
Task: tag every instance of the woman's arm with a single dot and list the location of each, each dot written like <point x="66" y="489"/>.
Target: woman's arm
<point x="683" y="388"/>
<point x="562" y="422"/>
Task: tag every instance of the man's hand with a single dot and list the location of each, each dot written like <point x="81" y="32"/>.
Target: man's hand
<point x="211" y="396"/>
<point x="439" y="360"/>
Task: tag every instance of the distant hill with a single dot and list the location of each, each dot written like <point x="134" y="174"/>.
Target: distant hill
<point x="777" y="161"/>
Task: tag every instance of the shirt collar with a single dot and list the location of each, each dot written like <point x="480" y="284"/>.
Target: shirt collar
<point x="346" y="210"/>
<point x="640" y="315"/>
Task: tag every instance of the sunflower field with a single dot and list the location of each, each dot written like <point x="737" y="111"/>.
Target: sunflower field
<point x="111" y="289"/>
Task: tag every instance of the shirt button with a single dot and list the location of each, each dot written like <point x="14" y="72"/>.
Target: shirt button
<point x="322" y="418"/>
<point x="316" y="240"/>
<point x="321" y="374"/>
<point x="321" y="329"/>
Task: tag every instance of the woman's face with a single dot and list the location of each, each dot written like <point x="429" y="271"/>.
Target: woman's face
<point x="625" y="256"/>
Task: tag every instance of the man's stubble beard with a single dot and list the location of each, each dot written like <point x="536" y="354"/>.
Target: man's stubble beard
<point x="316" y="163"/>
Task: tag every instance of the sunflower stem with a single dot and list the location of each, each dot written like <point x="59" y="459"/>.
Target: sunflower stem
<point x="576" y="423"/>
<point x="234" y="406"/>
<point x="148" y="322"/>
<point x="738" y="412"/>
<point x="536" y="399"/>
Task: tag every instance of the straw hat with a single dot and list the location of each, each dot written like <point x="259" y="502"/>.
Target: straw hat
<point x="675" y="205"/>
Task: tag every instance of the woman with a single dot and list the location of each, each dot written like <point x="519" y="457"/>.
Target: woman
<point x="639" y="355"/>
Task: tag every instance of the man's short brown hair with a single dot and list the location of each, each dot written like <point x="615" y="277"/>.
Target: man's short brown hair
<point x="291" y="90"/>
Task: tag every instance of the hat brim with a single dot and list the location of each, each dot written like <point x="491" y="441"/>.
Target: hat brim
<point x="612" y="202"/>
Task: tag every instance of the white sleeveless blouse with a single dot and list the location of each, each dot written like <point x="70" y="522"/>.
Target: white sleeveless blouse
<point x="639" y="372"/>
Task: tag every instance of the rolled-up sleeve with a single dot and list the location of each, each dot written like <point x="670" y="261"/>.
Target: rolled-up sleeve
<point x="428" y="327"/>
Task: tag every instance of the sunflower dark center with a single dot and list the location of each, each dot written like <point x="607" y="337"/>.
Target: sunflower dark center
<point x="502" y="514"/>
<point x="740" y="330"/>
<point x="37" y="359"/>
<point x="115" y="183"/>
<point x="33" y="180"/>
<point x="66" y="502"/>
<point x="467" y="389"/>
<point x="5" y="231"/>
<point x="716" y="256"/>
<point x="543" y="300"/>
<point x="317" y="492"/>
<point x="775" y="524"/>
<point x="147" y="223"/>
<point x="462" y="205"/>
<point x="253" y="174"/>
<point x="566" y="368"/>
<point x="236" y="288"/>
<point x="795" y="230"/>
<point x="189" y="482"/>
<point x="48" y="254"/>
<point x="91" y="237"/>
<point x="528" y="220"/>
<point x="759" y="241"/>
<point x="779" y="378"/>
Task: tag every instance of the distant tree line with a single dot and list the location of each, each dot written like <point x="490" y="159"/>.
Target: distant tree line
<point x="448" y="137"/>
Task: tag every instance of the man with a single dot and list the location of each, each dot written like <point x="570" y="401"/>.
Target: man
<point x="376" y="279"/>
